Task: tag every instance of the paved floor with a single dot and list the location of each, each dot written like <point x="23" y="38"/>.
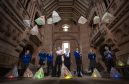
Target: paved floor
<point x="64" y="81"/>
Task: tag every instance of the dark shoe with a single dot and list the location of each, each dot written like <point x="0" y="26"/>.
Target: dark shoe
<point x="79" y="75"/>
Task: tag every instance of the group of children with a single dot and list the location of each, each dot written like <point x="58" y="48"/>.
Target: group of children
<point x="65" y="58"/>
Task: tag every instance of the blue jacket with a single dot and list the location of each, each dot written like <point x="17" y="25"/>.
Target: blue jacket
<point x="92" y="56"/>
<point x="49" y="58"/>
<point x="26" y="58"/>
<point x="42" y="56"/>
<point x="77" y="54"/>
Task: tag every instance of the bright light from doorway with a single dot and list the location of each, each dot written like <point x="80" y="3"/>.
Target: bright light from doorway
<point x="65" y="45"/>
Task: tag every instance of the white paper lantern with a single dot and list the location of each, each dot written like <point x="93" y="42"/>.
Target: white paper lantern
<point x="28" y="73"/>
<point x="39" y="74"/>
<point x="114" y="73"/>
<point x="55" y="17"/>
<point x="96" y="74"/>
<point x="40" y="20"/>
<point x="107" y="18"/>
<point x="13" y="73"/>
<point x="49" y="21"/>
<point x="82" y="20"/>
<point x="65" y="73"/>
<point x="34" y="30"/>
<point x="96" y="20"/>
<point x="27" y="23"/>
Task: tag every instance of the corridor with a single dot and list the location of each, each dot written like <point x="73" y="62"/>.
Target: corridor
<point x="64" y="41"/>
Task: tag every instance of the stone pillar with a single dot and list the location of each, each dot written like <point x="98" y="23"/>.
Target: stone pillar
<point x="48" y="38"/>
<point x="84" y="44"/>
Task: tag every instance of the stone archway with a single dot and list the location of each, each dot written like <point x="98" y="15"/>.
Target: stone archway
<point x="73" y="44"/>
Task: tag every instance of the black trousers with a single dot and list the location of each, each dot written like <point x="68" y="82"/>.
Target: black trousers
<point x="24" y="67"/>
<point x="58" y="64"/>
<point x="67" y="62"/>
<point x="78" y="63"/>
<point x="41" y="62"/>
<point x="109" y="64"/>
<point x="92" y="65"/>
<point x="49" y="67"/>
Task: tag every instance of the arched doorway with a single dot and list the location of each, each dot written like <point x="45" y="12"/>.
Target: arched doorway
<point x="102" y="49"/>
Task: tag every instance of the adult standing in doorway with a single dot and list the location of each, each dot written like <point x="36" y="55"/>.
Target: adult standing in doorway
<point x="78" y="61"/>
<point x="67" y="60"/>
<point x="58" y="61"/>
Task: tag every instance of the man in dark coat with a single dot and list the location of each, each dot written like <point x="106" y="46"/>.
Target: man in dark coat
<point x="67" y="60"/>
<point x="108" y="56"/>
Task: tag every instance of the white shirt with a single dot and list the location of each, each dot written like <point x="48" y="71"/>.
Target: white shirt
<point x="67" y="54"/>
<point x="59" y="52"/>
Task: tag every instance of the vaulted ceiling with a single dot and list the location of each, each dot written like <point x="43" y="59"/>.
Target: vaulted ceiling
<point x="67" y="9"/>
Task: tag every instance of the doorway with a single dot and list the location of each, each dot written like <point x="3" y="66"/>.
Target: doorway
<point x="65" y="45"/>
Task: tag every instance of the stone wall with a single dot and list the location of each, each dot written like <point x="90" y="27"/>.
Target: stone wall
<point x="14" y="36"/>
<point x="116" y="33"/>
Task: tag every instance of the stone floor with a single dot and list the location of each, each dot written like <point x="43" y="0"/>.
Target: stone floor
<point x="55" y="80"/>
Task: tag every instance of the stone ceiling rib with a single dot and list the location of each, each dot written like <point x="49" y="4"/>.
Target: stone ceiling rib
<point x="67" y="8"/>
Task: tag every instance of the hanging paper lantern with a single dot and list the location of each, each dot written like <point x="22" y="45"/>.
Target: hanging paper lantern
<point x="120" y="63"/>
<point x="27" y="23"/>
<point x="114" y="73"/>
<point x="128" y="61"/>
<point x="65" y="73"/>
<point x="96" y="74"/>
<point x="49" y="21"/>
<point x="107" y="18"/>
<point x="96" y="20"/>
<point x="13" y="73"/>
<point x="39" y="74"/>
<point x="34" y="30"/>
<point x="28" y="73"/>
<point x="55" y="17"/>
<point x="40" y="20"/>
<point x="82" y="20"/>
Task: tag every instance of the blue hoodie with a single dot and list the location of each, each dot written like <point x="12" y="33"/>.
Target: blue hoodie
<point x="77" y="54"/>
<point x="26" y="58"/>
<point x="92" y="56"/>
<point x="42" y="56"/>
<point x="50" y="58"/>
